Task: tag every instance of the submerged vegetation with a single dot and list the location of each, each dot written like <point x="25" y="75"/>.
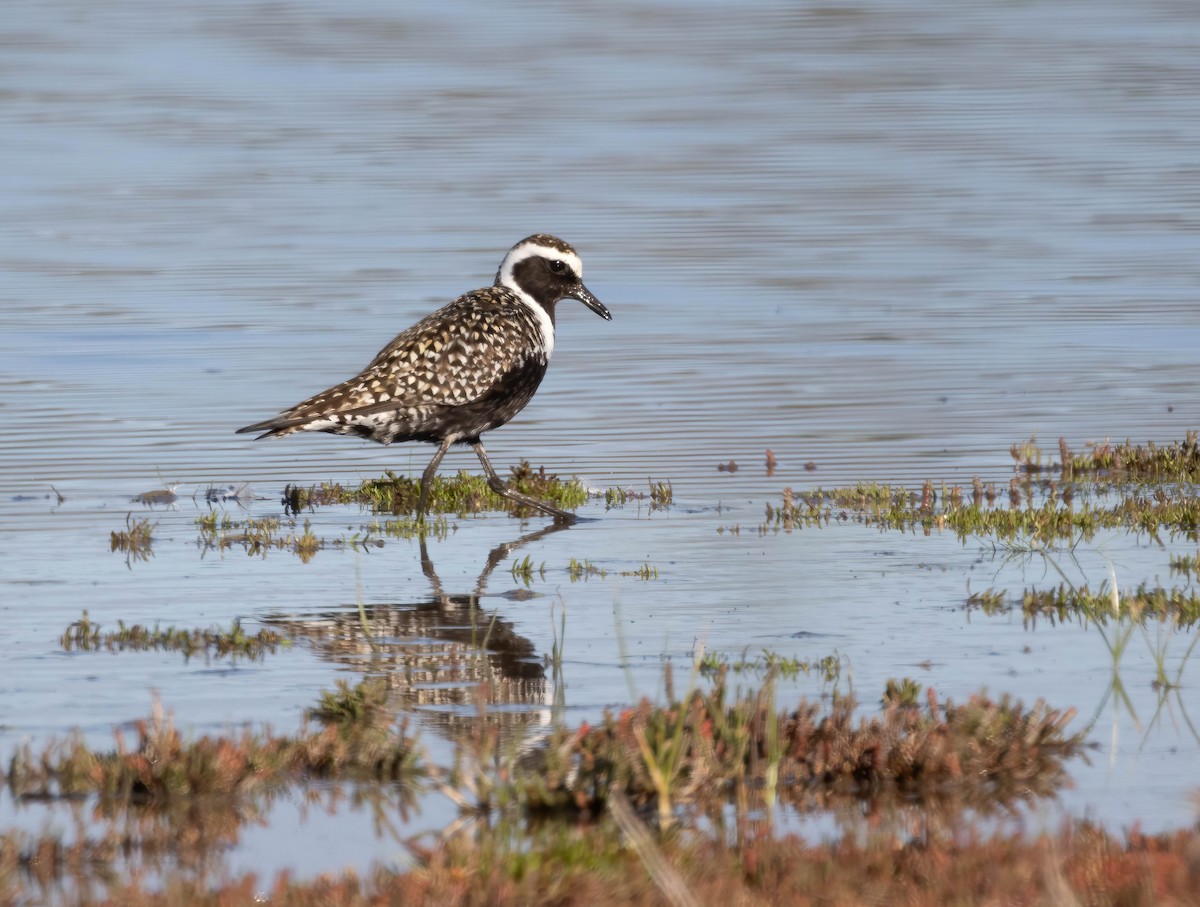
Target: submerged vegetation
<point x="1061" y="515"/>
<point x="702" y="746"/>
<point x="162" y="766"/>
<point x="1176" y="462"/>
<point x="696" y="755"/>
<point x="134" y="541"/>
<point x="602" y="864"/>
<point x="660" y="495"/>
<point x="665" y="757"/>
<point x="1064" y="602"/>
<point x="581" y="571"/>
<point x="463" y="494"/>
<point x="670" y="801"/>
<point x="256" y="536"/>
<point x="85" y="636"/>
<point x="984" y="753"/>
<point x="828" y="668"/>
<point x="1149" y="486"/>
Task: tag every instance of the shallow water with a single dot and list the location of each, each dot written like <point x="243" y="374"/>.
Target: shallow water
<point x="886" y="240"/>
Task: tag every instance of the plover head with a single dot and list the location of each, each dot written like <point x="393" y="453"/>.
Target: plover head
<point x="542" y="269"/>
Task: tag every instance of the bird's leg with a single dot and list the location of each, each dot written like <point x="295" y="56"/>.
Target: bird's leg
<point x="427" y="478"/>
<point x="497" y="485"/>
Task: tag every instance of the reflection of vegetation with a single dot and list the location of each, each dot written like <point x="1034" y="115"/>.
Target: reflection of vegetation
<point x="687" y="751"/>
<point x="646" y="572"/>
<point x="1117" y="645"/>
<point x="989" y="601"/>
<point x="509" y="863"/>
<point x="585" y="569"/>
<point x="1054" y="520"/>
<point x="1116" y="616"/>
<point x="1065" y="603"/>
<point x="134" y="540"/>
<point x="1186" y="565"/>
<point x="699" y="753"/>
<point x="582" y="570"/>
<point x="221" y="532"/>
<point x="1165" y="684"/>
<point x="402" y="528"/>
<point x="523" y="570"/>
<point x="660" y="495"/>
<point x="84" y="635"/>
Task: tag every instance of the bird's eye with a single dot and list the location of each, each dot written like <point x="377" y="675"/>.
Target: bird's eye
<point x="558" y="266"/>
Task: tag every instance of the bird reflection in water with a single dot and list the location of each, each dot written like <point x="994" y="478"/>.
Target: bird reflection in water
<point x="445" y="657"/>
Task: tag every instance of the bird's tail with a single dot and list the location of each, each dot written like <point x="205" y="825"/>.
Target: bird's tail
<point x="273" y="428"/>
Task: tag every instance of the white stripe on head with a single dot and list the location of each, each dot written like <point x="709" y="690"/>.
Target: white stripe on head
<point x="528" y="249"/>
<point x="506" y="278"/>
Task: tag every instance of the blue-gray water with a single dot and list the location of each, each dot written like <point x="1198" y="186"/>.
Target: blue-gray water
<point x="887" y="239"/>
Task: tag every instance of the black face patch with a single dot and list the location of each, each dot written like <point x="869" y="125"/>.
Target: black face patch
<point x="535" y="277"/>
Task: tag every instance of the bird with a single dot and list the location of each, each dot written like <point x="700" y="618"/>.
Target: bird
<point x="464" y="370"/>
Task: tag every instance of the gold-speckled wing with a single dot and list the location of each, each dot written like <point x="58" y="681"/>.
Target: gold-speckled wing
<point x="451" y="358"/>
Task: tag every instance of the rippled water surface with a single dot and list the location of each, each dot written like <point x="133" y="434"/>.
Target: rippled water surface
<point x="885" y="240"/>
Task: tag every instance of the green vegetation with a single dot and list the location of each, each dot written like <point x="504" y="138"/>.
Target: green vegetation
<point x="1177" y="462"/>
<point x="364" y="742"/>
<point x="688" y="751"/>
<point x="989" y="601"/>
<point x="710" y="765"/>
<point x="462" y="494"/>
<point x="134" y="540"/>
<point x="1186" y="565"/>
<point x="693" y="756"/>
<point x="645" y="572"/>
<point x="85" y="636"/>
<point x="985" y="752"/>
<point x="582" y="570"/>
<point x="905" y="693"/>
<point x="1046" y="513"/>
<point x="523" y="570"/>
<point x="660" y="496"/>
<point x="829" y="668"/>
<point x="1065" y="603"/>
<point x="349" y="705"/>
<point x="257" y="536"/>
<point x="508" y="865"/>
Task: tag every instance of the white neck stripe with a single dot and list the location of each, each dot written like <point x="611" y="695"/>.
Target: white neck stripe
<point x="507" y="279"/>
<point x="540" y="315"/>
